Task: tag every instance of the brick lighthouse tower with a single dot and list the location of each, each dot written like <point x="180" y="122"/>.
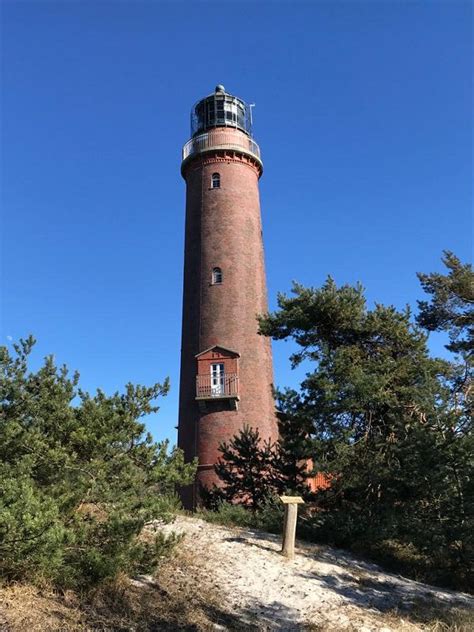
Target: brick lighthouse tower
<point x="226" y="366"/>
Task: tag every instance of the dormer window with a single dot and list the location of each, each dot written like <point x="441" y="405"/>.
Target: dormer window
<point x="216" y="181"/>
<point x="216" y="276"/>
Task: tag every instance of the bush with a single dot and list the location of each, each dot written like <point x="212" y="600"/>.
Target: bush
<point x="228" y="515"/>
<point x="79" y="481"/>
<point x="268" y="518"/>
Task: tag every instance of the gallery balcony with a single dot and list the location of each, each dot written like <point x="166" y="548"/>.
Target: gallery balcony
<point x="221" y="140"/>
<point x="225" y="388"/>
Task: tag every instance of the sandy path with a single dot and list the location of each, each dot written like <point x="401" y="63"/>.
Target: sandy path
<point x="321" y="586"/>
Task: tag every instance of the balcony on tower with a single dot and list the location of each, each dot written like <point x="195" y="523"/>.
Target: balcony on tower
<point x="217" y="378"/>
<point x="217" y="385"/>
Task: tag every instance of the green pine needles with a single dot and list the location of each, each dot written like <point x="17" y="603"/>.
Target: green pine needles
<point x="79" y="477"/>
<point x="389" y="425"/>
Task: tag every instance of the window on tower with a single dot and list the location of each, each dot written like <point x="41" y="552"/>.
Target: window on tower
<point x="217" y="379"/>
<point x="216" y="181"/>
<point x="216" y="276"/>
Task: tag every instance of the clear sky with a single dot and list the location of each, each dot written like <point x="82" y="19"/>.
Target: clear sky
<point x="363" y="114"/>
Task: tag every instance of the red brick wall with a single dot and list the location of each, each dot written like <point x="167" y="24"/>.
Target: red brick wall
<point x="319" y="481"/>
<point x="223" y="229"/>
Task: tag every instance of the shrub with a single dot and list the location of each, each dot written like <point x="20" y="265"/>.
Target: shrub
<point x="78" y="480"/>
<point x="228" y="515"/>
<point x="268" y="518"/>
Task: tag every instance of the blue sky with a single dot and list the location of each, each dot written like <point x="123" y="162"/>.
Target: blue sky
<point x="363" y="115"/>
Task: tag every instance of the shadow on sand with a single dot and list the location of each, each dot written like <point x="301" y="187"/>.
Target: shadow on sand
<point x="361" y="584"/>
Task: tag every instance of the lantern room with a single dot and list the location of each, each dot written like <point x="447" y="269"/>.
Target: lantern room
<point x="221" y="109"/>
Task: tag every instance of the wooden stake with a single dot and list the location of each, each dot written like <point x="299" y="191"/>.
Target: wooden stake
<point x="289" y="525"/>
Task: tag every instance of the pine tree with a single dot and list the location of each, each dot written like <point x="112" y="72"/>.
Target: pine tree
<point x="383" y="423"/>
<point x="245" y="468"/>
<point x="253" y="471"/>
<point x="79" y="476"/>
<point x="294" y="450"/>
<point x="451" y="308"/>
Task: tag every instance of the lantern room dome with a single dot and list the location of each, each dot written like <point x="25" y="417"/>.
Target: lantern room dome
<point x="221" y="109"/>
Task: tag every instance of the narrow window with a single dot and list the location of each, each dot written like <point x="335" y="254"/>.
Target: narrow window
<point x="216" y="181"/>
<point x="216" y="276"/>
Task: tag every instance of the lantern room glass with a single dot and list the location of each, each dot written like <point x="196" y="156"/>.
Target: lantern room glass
<point x="221" y="110"/>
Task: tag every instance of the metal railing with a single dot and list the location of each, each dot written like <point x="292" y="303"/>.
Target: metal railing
<point x="226" y="385"/>
<point x="230" y="141"/>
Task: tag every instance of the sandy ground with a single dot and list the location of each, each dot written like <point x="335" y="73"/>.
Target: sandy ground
<point x="321" y="589"/>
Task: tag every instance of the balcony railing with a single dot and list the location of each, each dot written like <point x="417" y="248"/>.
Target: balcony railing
<point x="208" y="387"/>
<point x="230" y="141"/>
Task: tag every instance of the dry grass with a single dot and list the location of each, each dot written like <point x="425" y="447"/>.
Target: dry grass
<point x="459" y="621"/>
<point x="424" y="613"/>
<point x="433" y="617"/>
<point x="456" y="621"/>
<point x="181" y="598"/>
<point x="24" y="607"/>
<point x="185" y="597"/>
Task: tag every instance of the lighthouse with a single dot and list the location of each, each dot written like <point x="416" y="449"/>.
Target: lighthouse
<point x="226" y="366"/>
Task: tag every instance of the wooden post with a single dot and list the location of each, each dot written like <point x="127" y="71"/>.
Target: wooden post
<point x="289" y="525"/>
